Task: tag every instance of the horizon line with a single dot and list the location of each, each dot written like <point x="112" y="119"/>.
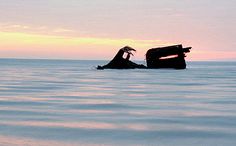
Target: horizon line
<point x="68" y="59"/>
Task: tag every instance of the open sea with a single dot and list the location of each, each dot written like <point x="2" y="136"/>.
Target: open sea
<point x="70" y="103"/>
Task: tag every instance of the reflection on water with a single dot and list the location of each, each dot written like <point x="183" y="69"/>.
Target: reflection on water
<point x="45" y="102"/>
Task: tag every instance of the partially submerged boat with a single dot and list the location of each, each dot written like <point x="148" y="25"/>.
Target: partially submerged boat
<point x="122" y="60"/>
<point x="167" y="57"/>
<point x="161" y="57"/>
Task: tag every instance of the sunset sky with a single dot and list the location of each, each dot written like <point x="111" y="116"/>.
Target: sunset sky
<point x="96" y="29"/>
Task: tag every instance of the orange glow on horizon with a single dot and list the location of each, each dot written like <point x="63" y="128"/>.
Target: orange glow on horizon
<point x="35" y="39"/>
<point x="51" y="45"/>
<point x="196" y="55"/>
<point x="26" y="45"/>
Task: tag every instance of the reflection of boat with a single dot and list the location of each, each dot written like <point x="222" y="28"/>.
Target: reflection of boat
<point x="167" y="57"/>
<point x="163" y="57"/>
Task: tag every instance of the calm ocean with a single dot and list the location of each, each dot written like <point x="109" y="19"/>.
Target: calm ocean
<point x="56" y="102"/>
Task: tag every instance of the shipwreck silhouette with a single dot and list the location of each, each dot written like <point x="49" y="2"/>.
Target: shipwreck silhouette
<point x="161" y="57"/>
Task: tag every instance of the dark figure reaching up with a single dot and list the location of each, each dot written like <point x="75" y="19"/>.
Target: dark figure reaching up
<point x="119" y="62"/>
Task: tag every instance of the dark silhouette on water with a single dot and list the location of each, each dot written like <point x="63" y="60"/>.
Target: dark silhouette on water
<point x="167" y="57"/>
<point x="119" y="62"/>
<point x="162" y="57"/>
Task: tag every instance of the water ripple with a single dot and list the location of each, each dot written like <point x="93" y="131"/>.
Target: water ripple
<point x="45" y="102"/>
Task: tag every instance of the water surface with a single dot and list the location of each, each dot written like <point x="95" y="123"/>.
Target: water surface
<point x="57" y="102"/>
